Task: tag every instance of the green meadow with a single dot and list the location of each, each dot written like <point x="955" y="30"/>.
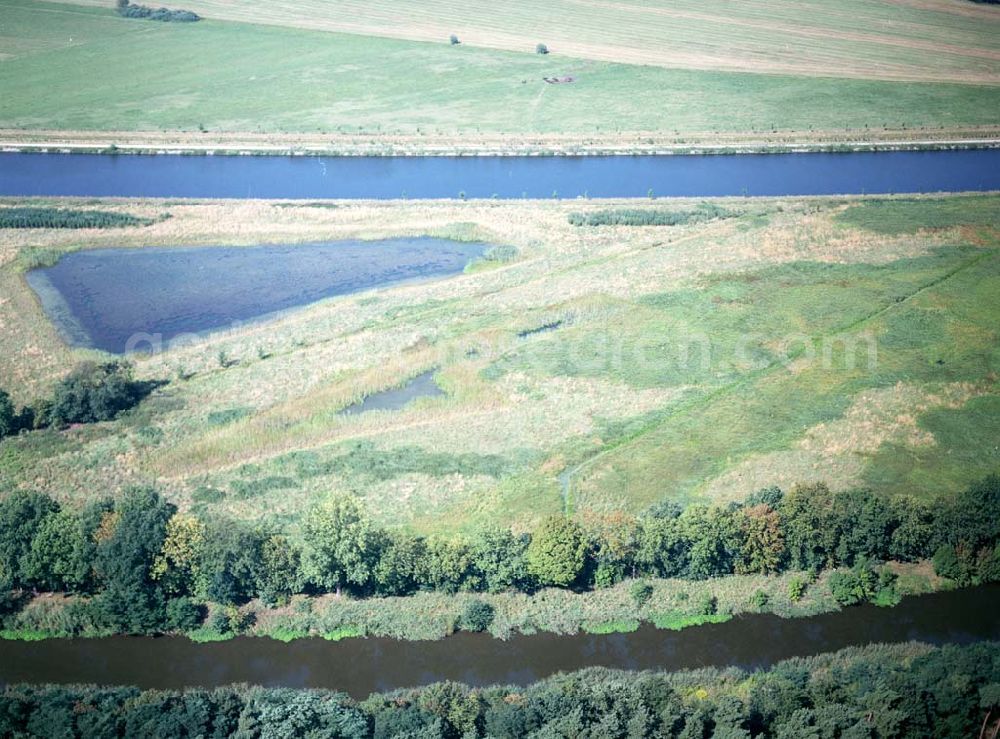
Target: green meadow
<point x="72" y="67"/>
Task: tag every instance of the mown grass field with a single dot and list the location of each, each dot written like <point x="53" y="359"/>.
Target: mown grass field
<point x="679" y="362"/>
<point x="939" y="40"/>
<point x="71" y="67"/>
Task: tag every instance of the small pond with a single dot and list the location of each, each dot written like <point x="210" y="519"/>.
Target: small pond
<point x="421" y="386"/>
<point x="122" y="300"/>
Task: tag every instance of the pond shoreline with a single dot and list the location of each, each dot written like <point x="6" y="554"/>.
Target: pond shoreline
<point x="176" y="295"/>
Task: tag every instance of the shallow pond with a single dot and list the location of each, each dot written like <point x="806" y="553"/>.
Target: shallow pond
<point x="123" y="300"/>
<point x="167" y="175"/>
<point x="421" y="386"/>
<point x="360" y="666"/>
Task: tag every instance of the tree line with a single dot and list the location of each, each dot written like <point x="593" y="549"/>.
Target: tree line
<point x="146" y="567"/>
<point x="907" y="690"/>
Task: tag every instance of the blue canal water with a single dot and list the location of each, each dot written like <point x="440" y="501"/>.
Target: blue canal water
<point x="496" y="176"/>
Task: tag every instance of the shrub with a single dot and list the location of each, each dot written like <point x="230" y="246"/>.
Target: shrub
<point x="8" y="415"/>
<point x="641" y="591"/>
<point x="8" y="601"/>
<point x="453" y="40"/>
<point x="96" y="392"/>
<point x="796" y="589"/>
<point x="219" y="621"/>
<point x="759" y="599"/>
<point x="478" y="616"/>
<point x="183" y="614"/>
<point x="541" y="49"/>
<point x="953" y="564"/>
<point x="707" y="605"/>
<point x="606" y="575"/>
<point x="863" y="583"/>
<point x="846" y="588"/>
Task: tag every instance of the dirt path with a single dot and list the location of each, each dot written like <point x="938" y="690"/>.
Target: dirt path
<point x="374" y="143"/>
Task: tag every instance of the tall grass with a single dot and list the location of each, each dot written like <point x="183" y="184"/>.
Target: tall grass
<point x="41" y="217"/>
<point x="650" y="216"/>
<point x="674" y="604"/>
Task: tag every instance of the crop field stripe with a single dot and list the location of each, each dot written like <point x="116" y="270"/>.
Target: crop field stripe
<point x="911" y="42"/>
<point x="342" y="84"/>
<point x="683" y="409"/>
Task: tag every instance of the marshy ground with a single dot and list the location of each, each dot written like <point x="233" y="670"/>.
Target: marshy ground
<point x="684" y="362"/>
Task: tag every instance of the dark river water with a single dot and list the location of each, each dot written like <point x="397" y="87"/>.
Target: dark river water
<point x="361" y="666"/>
<point x="145" y="299"/>
<point x="502" y="177"/>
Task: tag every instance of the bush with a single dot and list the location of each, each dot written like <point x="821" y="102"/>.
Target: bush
<point x="863" y="583"/>
<point x="183" y="614"/>
<point x="8" y="601"/>
<point x="641" y="592"/>
<point x="96" y="392"/>
<point x="707" y="605"/>
<point x="847" y="589"/>
<point x="541" y="49"/>
<point x="953" y="564"/>
<point x="606" y="575"/>
<point x="219" y="621"/>
<point x="796" y="589"/>
<point x="29" y="417"/>
<point x="478" y="616"/>
<point x="759" y="599"/>
<point x="8" y="415"/>
<point x="453" y="40"/>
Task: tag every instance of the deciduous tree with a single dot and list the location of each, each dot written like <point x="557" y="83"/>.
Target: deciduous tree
<point x="557" y="552"/>
<point x="342" y="545"/>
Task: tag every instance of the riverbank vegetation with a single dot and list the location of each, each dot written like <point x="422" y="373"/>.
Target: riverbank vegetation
<point x="886" y="691"/>
<point x="143" y="567"/>
<point x="41" y="217"/>
<point x="356" y="85"/>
